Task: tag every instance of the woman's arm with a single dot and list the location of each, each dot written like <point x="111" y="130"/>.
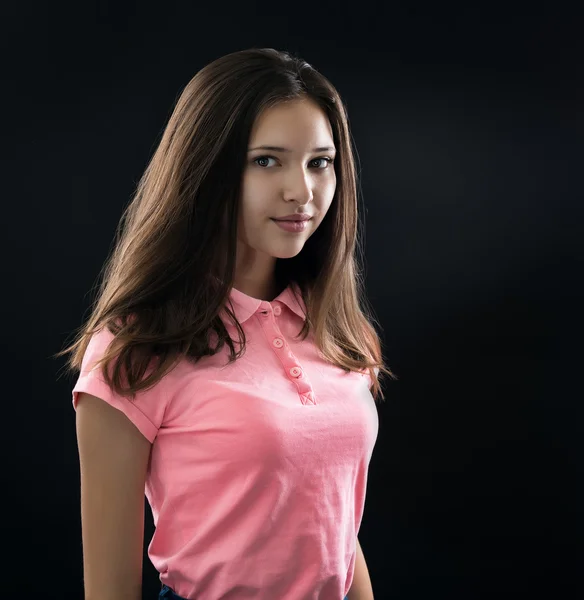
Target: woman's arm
<point x="361" y="587"/>
<point x="113" y="457"/>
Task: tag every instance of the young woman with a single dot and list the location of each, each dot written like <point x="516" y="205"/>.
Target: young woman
<point x="243" y="230"/>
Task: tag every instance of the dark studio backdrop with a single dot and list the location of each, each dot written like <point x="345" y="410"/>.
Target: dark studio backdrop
<point x="469" y="131"/>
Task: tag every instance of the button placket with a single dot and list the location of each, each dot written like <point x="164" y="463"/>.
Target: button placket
<point x="289" y="362"/>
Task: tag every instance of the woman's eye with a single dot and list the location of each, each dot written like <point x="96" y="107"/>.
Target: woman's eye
<point x="262" y="158"/>
<point x="327" y="162"/>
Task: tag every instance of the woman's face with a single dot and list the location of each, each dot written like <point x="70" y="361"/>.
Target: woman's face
<point x="296" y="178"/>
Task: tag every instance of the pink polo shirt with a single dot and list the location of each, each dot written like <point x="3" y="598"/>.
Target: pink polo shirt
<point x="258" y="470"/>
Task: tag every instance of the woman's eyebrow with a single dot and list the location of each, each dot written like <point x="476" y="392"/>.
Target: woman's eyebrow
<point x="281" y="149"/>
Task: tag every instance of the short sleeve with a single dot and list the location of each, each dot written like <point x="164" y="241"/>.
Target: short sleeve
<point x="146" y="410"/>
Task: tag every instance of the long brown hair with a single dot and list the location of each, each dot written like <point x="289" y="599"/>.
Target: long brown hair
<point x="173" y="262"/>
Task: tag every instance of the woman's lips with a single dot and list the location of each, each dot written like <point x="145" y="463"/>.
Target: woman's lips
<point x="292" y="226"/>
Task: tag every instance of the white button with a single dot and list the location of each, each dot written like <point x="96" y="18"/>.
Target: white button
<point x="278" y="342"/>
<point x="277" y="310"/>
<point x="295" y="372"/>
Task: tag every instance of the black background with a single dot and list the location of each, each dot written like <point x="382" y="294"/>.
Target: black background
<point x="469" y="124"/>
